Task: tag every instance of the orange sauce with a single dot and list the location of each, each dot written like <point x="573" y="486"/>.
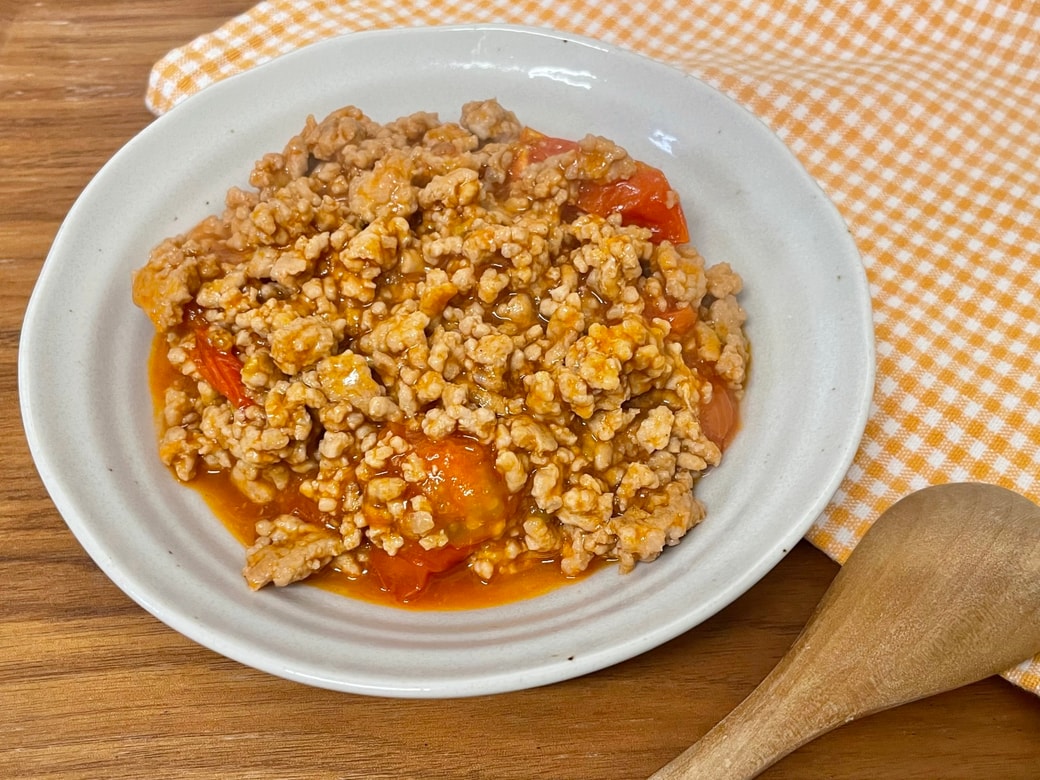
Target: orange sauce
<point x="459" y="588"/>
<point x="456" y="589"/>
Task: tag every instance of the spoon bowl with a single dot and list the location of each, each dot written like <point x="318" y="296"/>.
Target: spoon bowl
<point x="942" y="591"/>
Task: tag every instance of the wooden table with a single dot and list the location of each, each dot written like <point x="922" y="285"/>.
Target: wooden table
<point x="92" y="686"/>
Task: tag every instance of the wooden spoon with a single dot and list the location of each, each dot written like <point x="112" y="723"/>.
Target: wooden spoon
<point x="943" y="591"/>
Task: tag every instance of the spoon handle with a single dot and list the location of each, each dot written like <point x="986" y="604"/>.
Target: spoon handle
<point x="804" y="696"/>
<point x="943" y="591"/>
<point x="781" y="714"/>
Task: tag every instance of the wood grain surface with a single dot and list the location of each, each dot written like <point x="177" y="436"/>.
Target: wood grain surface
<point x="91" y="686"/>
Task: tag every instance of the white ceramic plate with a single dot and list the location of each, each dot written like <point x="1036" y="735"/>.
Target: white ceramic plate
<point x="88" y="416"/>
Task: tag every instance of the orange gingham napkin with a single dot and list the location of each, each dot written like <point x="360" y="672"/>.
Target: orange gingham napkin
<point x="922" y="123"/>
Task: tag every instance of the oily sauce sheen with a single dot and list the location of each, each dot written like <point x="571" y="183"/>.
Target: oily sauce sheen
<point x="457" y="589"/>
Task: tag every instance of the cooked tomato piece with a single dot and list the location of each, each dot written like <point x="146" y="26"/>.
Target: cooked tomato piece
<point x="645" y="199"/>
<point x="536" y="147"/>
<point x="719" y="415"/>
<point x="437" y="560"/>
<point x="469" y="503"/>
<point x="468" y="496"/>
<point x="542" y="147"/>
<point x="406" y="574"/>
<point x="221" y="368"/>
<point x="682" y="319"/>
<point x="399" y="577"/>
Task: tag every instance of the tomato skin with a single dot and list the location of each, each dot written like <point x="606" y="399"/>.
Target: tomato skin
<point x="542" y="147"/>
<point x="406" y="574"/>
<point x="642" y="199"/>
<point x="223" y="371"/>
<point x="437" y="560"/>
<point x="399" y="577"/>
<point x="535" y="147"/>
<point x="719" y="415"/>
<point x="221" y="368"/>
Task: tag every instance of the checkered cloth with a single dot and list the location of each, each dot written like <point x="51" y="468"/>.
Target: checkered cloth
<point x="920" y="121"/>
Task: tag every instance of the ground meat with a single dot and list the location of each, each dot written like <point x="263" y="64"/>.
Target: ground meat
<point x="287" y="550"/>
<point x="418" y="329"/>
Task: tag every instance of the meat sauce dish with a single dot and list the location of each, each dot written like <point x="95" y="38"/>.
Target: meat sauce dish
<point x="422" y="358"/>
